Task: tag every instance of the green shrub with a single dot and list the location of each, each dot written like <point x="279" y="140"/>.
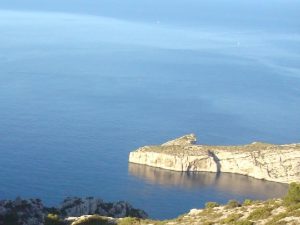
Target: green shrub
<point x="276" y="219"/>
<point x="244" y="222"/>
<point x="232" y="204"/>
<point x="272" y="202"/>
<point x="92" y="220"/>
<point x="260" y="213"/>
<point x="282" y="222"/>
<point x="231" y="218"/>
<point x="53" y="219"/>
<point x="210" y="205"/>
<point x="247" y="202"/>
<point x="293" y="195"/>
<point x="292" y="207"/>
<point x="295" y="213"/>
<point x="207" y="223"/>
<point x="129" y="221"/>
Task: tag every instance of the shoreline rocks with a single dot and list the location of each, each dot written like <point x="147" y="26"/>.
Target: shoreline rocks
<point x="23" y="212"/>
<point x="74" y="207"/>
<point x="33" y="211"/>
<point x="279" y="163"/>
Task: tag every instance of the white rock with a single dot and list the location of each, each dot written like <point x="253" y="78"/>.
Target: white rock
<point x="194" y="212"/>
<point x="280" y="163"/>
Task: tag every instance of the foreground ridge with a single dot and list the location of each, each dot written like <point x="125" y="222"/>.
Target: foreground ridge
<point x="270" y="212"/>
<point x="284" y="211"/>
<point x="279" y="163"/>
<point x="33" y="212"/>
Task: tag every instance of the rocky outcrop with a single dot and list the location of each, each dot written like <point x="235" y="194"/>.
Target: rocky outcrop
<point x="74" y="207"/>
<point x="21" y="212"/>
<point x="270" y="212"/>
<point x="189" y="139"/>
<point x="279" y="163"/>
<point x="33" y="212"/>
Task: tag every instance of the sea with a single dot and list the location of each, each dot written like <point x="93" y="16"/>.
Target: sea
<point x="83" y="83"/>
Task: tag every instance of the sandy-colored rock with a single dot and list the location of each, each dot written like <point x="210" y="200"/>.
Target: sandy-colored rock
<point x="279" y="163"/>
<point x="188" y="139"/>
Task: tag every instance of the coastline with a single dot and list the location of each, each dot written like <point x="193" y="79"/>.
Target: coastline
<point x="277" y="163"/>
<point x="76" y="211"/>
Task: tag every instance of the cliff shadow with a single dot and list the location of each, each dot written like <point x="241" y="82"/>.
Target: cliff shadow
<point x="216" y="160"/>
<point x="226" y="182"/>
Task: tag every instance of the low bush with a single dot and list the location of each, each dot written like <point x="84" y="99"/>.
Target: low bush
<point x="210" y="205"/>
<point x="207" y="223"/>
<point x="293" y="207"/>
<point x="248" y="202"/>
<point x="53" y="219"/>
<point x="260" y="213"/>
<point x="231" y="218"/>
<point x="129" y="221"/>
<point x="232" y="204"/>
<point x="293" y="195"/>
<point x="244" y="222"/>
<point x="276" y="219"/>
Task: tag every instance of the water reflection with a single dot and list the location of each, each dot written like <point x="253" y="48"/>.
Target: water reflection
<point x="223" y="182"/>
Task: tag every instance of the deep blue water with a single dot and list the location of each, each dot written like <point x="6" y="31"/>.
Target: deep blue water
<point x="83" y="83"/>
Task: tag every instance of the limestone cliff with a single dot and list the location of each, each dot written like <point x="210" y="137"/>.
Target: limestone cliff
<point x="279" y="163"/>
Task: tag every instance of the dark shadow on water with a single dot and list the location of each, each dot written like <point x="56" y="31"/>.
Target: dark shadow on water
<point x="223" y="182"/>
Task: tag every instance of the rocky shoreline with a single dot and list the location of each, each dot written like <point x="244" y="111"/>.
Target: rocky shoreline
<point x="94" y="211"/>
<point x="33" y="211"/>
<point x="279" y="163"/>
<point x="87" y="211"/>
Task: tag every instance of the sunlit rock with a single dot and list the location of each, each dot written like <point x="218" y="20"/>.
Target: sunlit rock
<point x="280" y="163"/>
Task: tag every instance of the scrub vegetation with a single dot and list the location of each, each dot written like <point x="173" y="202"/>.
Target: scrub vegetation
<point x="250" y="212"/>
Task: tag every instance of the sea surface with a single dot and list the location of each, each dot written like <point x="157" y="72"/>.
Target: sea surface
<point x="83" y="83"/>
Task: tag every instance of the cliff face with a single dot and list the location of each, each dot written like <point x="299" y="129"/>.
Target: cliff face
<point x="279" y="163"/>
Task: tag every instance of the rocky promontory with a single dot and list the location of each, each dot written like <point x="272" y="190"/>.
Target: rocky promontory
<point x="279" y="163"/>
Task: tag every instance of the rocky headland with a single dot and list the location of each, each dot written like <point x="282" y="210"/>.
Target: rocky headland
<point x="279" y="163"/>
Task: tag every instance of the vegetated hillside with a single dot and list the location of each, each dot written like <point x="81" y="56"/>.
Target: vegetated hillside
<point x="270" y="212"/>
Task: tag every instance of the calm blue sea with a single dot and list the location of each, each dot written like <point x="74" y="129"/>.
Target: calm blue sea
<point x="83" y="83"/>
